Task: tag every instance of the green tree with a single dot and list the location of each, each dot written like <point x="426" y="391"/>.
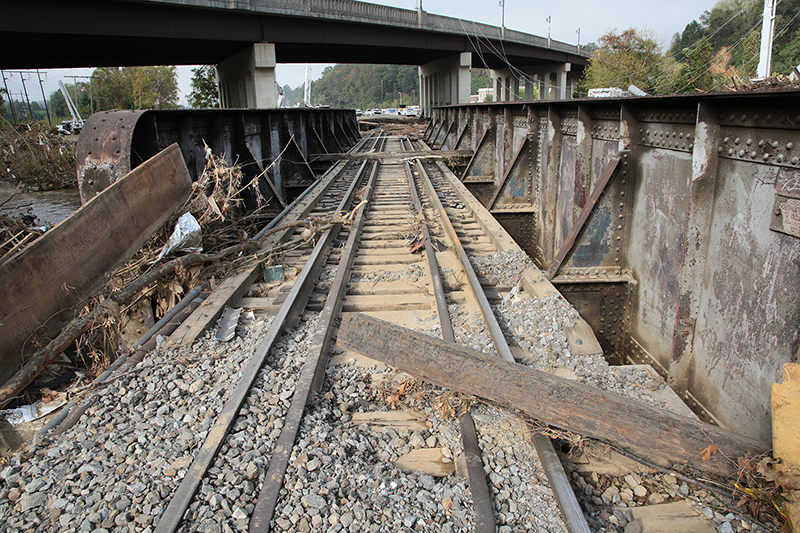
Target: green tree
<point x="137" y="88"/>
<point x="481" y="79"/>
<point x="788" y="57"/>
<point x="691" y="34"/>
<point x="366" y="86"/>
<point x="205" y="93"/>
<point x="631" y="57"/>
<point x="697" y="74"/>
<point x="2" y="102"/>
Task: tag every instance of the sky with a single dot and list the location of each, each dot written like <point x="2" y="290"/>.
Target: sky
<point x="594" y="18"/>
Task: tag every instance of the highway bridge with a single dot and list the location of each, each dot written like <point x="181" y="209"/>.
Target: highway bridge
<point x="248" y="37"/>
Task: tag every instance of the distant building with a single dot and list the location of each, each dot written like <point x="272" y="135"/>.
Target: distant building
<point x="484" y="93"/>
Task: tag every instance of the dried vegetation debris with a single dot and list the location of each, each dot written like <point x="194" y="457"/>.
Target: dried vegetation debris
<point x="36" y="157"/>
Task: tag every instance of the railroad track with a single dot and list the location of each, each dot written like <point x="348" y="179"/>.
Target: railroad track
<point x="286" y="439"/>
<point x="403" y="259"/>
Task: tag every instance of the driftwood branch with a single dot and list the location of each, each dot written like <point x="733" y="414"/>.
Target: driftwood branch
<point x="80" y="325"/>
<point x="44" y="356"/>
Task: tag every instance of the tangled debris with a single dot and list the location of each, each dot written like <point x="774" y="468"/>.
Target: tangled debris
<point x="38" y="158"/>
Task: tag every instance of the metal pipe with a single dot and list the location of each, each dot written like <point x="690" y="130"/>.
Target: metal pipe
<point x="194" y="293"/>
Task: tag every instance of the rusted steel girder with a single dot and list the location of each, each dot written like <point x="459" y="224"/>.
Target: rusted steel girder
<point x="113" y="143"/>
<point x="689" y="259"/>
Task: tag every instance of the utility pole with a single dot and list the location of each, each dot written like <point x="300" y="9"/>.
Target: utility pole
<point x="46" y="107"/>
<point x="502" y="19"/>
<point x="10" y="99"/>
<point x="30" y="109"/>
<point x="549" y="18"/>
<point x="767" y="31"/>
<point x="579" y="38"/>
<point x="381" y="95"/>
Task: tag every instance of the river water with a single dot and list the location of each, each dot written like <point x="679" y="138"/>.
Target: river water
<point x="47" y="206"/>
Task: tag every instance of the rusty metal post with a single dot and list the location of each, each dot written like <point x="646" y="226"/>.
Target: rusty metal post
<point x="551" y="155"/>
<point x="583" y="161"/>
<point x="698" y="227"/>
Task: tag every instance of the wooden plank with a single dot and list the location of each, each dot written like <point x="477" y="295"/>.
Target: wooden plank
<point x="599" y="187"/>
<point x="640" y="428"/>
<point x="785" y="401"/>
<point x="261" y="304"/>
<point x="581" y="339"/>
<point x="397" y="420"/>
<point x="75" y="259"/>
<point x="426" y="460"/>
<point x="403" y="302"/>
<point x="673" y="517"/>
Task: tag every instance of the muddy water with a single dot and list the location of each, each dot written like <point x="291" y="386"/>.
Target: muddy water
<point x="47" y="206"/>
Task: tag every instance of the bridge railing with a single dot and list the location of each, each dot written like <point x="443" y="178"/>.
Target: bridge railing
<point x="365" y="12"/>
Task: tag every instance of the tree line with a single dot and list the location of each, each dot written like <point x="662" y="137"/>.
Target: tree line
<point x="106" y="89"/>
<point x="719" y="49"/>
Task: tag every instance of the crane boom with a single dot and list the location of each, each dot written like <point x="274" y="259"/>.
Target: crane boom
<point x="77" y="120"/>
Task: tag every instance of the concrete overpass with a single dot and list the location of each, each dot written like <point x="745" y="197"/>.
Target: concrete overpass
<point x="248" y="37"/>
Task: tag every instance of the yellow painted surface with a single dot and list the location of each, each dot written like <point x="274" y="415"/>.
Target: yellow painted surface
<point x="786" y="417"/>
<point x="785" y="399"/>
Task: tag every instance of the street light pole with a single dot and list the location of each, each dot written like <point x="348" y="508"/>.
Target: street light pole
<point x="502" y="19"/>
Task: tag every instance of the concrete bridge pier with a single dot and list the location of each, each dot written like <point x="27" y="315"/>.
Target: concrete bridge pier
<point x="445" y="81"/>
<point x="247" y="78"/>
<point x="551" y="82"/>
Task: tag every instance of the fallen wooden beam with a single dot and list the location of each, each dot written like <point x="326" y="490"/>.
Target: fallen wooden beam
<point x="424" y="154"/>
<point x="637" y="427"/>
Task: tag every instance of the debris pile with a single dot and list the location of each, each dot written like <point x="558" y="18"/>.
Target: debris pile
<point x="39" y="159"/>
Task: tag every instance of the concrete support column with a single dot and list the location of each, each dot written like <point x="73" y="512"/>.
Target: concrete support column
<point x="562" y="85"/>
<point x="450" y="79"/>
<point x="247" y="78"/>
<point x="513" y="88"/>
<point x="553" y="81"/>
<point x="506" y="85"/>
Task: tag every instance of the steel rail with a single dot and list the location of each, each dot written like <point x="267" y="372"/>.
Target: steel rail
<point x="177" y="308"/>
<point x="481" y="498"/>
<point x="554" y="470"/>
<point x="321" y="180"/>
<point x="294" y="304"/>
<point x="310" y="375"/>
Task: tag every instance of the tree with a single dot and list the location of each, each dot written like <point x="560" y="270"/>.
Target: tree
<point x="697" y="75"/>
<point x="205" y="93"/>
<point x="481" y="79"/>
<point x="788" y="56"/>
<point x="366" y="86"/>
<point x="691" y="34"/>
<point x="2" y="102"/>
<point x="628" y="58"/>
<point x="137" y="88"/>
